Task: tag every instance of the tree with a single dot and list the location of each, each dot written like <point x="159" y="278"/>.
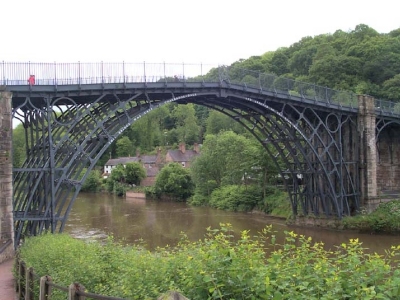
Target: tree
<point x="186" y="123"/>
<point x="134" y="173"/>
<point x="225" y="159"/>
<point x="124" y="147"/>
<point x="92" y="182"/>
<point x="392" y="88"/>
<point x="217" y="122"/>
<point x="19" y="146"/>
<point x="116" y="177"/>
<point x="174" y="181"/>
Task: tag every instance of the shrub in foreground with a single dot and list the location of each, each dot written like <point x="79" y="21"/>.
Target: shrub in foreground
<point x="220" y="266"/>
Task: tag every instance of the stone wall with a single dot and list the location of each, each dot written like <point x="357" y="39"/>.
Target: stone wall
<point x="388" y="159"/>
<point x="6" y="216"/>
<point x="368" y="160"/>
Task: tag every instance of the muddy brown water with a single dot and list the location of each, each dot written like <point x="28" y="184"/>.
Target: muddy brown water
<point x="136" y="220"/>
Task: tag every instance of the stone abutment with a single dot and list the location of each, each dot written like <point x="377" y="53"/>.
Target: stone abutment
<point x="6" y="214"/>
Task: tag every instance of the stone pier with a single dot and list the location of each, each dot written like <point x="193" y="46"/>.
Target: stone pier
<point x="368" y="152"/>
<point x="6" y="214"/>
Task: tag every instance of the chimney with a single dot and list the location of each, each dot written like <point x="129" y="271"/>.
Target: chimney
<point x="158" y="157"/>
<point x="196" y="148"/>
<point x="182" y="147"/>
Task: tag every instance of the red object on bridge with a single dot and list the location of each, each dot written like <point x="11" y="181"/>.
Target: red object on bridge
<point x="31" y="80"/>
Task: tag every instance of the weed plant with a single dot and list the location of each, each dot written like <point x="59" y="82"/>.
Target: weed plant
<point x="386" y="218"/>
<point x="219" y="267"/>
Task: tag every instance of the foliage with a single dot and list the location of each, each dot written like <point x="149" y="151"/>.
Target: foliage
<point x="219" y="162"/>
<point x="115" y="183"/>
<point x="186" y="123"/>
<point x="275" y="203"/>
<point x="217" y="122"/>
<point x="92" y="182"/>
<point x="223" y="265"/>
<point x="122" y="177"/>
<point x="19" y="147"/>
<point x="124" y="147"/>
<point x="386" y="218"/>
<point x="235" y="197"/>
<point x="134" y="173"/>
<point x="174" y="181"/>
<point x="227" y="160"/>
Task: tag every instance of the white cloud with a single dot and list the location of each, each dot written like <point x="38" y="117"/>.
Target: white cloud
<point x="217" y="31"/>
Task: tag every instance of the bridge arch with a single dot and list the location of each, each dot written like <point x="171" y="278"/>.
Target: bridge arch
<point x="67" y="133"/>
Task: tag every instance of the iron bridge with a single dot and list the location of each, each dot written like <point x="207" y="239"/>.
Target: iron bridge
<point x="71" y="113"/>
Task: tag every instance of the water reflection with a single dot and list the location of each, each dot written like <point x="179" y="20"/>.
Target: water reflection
<point x="161" y="223"/>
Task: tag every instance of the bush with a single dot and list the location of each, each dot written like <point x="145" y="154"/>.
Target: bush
<point x="93" y="182"/>
<point x="386" y="218"/>
<point x="235" y="197"/>
<point x="275" y="203"/>
<point x="221" y="266"/>
<point x="174" y="181"/>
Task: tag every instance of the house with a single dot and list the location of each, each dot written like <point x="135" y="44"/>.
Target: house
<point x="150" y="163"/>
<point x="182" y="156"/>
<point x="153" y="163"/>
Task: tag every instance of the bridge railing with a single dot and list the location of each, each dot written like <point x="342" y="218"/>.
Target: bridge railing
<point x="387" y="107"/>
<point x="16" y="73"/>
<point x="290" y="87"/>
<point x="301" y="90"/>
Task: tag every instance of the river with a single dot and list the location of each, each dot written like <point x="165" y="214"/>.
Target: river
<point x="136" y="220"/>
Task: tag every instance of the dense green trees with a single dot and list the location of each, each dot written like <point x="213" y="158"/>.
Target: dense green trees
<point x="175" y="182"/>
<point x="134" y="173"/>
<point x="361" y="60"/>
<point x="19" y="148"/>
<point x="92" y="182"/>
<point x="124" y="147"/>
<point x="232" y="172"/>
<point x="123" y="176"/>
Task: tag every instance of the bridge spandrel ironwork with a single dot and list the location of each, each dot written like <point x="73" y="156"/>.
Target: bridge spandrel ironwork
<point x="71" y="117"/>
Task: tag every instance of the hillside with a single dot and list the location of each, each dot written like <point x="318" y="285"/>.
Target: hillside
<point x="362" y="61"/>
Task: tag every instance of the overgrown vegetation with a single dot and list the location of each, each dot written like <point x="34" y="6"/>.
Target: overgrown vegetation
<point x="173" y="182"/>
<point x="125" y="177"/>
<point x="223" y="265"/>
<point x="386" y="218"/>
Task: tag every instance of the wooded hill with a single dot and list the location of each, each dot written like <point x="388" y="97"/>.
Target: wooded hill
<point x="362" y="61"/>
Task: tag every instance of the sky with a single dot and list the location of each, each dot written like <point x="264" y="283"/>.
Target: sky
<point x="175" y="31"/>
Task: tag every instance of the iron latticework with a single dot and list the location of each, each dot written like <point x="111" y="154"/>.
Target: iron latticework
<point x="69" y="123"/>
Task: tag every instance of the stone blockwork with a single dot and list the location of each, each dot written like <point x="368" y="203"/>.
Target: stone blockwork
<point x="368" y="159"/>
<point x="388" y="158"/>
<point x="6" y="216"/>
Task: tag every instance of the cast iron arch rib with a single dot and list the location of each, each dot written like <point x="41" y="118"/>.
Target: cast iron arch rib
<point x="66" y="137"/>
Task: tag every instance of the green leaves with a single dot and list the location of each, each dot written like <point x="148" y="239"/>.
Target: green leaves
<point x="223" y="265"/>
<point x="174" y="181"/>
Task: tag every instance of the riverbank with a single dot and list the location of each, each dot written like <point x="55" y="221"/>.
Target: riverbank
<point x="384" y="219"/>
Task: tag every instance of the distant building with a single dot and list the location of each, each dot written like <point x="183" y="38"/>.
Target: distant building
<point x="150" y="163"/>
<point x="153" y="163"/>
<point x="182" y="156"/>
